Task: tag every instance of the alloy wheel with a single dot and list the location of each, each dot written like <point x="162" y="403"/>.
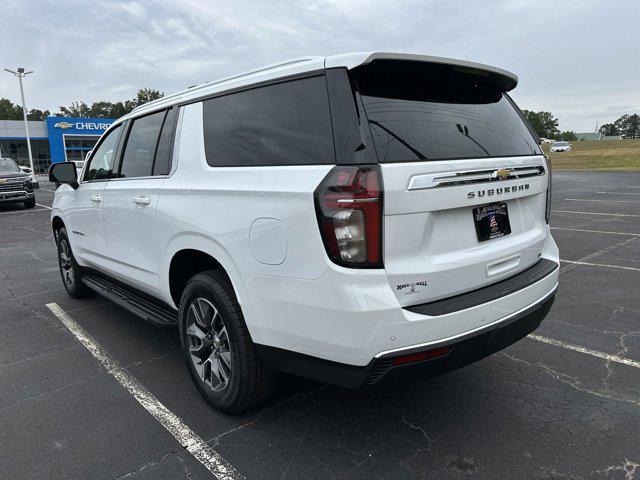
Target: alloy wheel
<point x="66" y="267"/>
<point x="208" y="341"/>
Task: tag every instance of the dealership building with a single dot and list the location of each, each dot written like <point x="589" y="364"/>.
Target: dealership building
<point x="57" y="139"/>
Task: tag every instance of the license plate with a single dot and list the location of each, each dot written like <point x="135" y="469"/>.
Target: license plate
<point x="492" y="221"/>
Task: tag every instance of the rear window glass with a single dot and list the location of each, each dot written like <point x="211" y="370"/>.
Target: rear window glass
<point x="420" y="111"/>
<point x="283" y="124"/>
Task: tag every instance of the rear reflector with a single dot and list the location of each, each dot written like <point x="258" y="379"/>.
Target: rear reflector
<point x="422" y="356"/>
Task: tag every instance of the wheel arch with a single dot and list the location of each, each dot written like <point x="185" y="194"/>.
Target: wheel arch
<point x="57" y="223"/>
<point x="188" y="255"/>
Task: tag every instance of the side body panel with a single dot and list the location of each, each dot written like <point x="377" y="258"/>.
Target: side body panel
<point x="214" y="209"/>
<point x="82" y="213"/>
<point x="129" y="211"/>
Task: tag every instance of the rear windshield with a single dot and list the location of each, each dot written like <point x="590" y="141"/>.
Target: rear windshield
<point x="421" y="111"/>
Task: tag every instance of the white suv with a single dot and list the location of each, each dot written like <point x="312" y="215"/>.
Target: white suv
<point x="348" y="219"/>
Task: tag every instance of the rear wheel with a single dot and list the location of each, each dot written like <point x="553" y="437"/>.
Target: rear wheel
<point x="70" y="271"/>
<point x="220" y="355"/>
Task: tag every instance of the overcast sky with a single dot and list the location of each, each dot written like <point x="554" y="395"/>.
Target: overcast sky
<point x="577" y="59"/>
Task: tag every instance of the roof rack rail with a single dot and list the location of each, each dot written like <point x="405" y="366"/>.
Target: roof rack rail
<point x="225" y="79"/>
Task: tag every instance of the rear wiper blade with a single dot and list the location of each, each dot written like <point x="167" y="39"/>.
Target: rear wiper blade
<point x="417" y="153"/>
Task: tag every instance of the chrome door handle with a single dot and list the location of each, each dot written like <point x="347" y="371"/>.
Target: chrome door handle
<point x="141" y="200"/>
<point x="96" y="198"/>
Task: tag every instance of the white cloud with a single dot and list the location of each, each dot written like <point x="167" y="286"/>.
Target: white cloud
<point x="576" y="59"/>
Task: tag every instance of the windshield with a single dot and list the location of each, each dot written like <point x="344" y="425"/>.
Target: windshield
<point x="420" y="111"/>
<point x="8" y="166"/>
<point x="561" y="144"/>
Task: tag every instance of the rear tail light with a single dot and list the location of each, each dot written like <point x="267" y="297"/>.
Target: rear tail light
<point x="349" y="209"/>
<point x="547" y="212"/>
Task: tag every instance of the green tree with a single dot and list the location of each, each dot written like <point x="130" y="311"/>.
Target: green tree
<point x="568" y="136"/>
<point x="106" y="109"/>
<point x="628" y="126"/>
<point x="543" y="123"/>
<point x="609" y="129"/>
<point x="11" y="111"/>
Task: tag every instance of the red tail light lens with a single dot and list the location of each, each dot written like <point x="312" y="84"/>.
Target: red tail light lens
<point x="349" y="210"/>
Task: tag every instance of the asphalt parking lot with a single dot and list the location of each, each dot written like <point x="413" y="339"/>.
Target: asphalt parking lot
<point x="563" y="404"/>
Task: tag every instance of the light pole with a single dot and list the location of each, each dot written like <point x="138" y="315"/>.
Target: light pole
<point x="20" y="74"/>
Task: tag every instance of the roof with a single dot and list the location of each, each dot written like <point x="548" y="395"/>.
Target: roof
<point x="303" y="65"/>
<point x="589" y="136"/>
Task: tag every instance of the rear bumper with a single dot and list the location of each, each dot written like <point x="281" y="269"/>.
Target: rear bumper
<point x="16" y="196"/>
<point x="462" y="351"/>
<point x="351" y="316"/>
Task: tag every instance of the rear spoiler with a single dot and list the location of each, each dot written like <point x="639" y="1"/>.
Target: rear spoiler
<point x="506" y="79"/>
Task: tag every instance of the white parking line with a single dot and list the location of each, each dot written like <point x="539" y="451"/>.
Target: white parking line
<point x="587" y="351"/>
<point x="30" y="210"/>
<point x="596" y="200"/>
<point x="575" y="262"/>
<point x="618" y="193"/>
<point x="190" y="440"/>
<point x="43" y="206"/>
<point x="597" y="213"/>
<point x="595" y="231"/>
<point x="633" y="186"/>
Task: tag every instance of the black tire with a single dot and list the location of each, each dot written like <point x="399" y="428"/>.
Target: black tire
<point x="30" y="203"/>
<point x="249" y="382"/>
<point x="70" y="271"/>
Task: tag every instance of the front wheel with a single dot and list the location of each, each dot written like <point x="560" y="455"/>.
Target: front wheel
<point x="220" y="355"/>
<point x="70" y="271"/>
<point x="30" y="203"/>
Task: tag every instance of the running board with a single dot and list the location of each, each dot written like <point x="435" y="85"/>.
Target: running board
<point x="132" y="301"/>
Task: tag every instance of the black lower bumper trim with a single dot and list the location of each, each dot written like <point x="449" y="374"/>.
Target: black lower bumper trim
<point x="541" y="269"/>
<point x="461" y="353"/>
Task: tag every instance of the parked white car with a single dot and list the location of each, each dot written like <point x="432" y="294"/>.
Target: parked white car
<point x="560" y="147"/>
<point x="348" y="219"/>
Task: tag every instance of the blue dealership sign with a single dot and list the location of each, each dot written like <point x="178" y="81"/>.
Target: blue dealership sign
<point x="60" y="128"/>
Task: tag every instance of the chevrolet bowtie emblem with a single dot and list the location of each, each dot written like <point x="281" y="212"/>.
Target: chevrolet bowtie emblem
<point x="502" y="173"/>
<point x="63" y="125"/>
<point x="2" y="180"/>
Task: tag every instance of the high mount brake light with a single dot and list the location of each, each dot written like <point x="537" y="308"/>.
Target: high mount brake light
<point x="349" y="205"/>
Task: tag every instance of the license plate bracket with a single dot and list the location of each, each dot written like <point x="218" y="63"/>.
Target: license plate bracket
<point x="491" y="221"/>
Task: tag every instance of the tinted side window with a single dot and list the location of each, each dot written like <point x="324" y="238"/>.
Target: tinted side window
<point x="140" y="150"/>
<point x="283" y="124"/>
<point x="101" y="163"/>
<point x="162" y="165"/>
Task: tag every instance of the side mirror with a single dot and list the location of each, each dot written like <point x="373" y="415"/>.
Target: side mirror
<point x="64" y="172"/>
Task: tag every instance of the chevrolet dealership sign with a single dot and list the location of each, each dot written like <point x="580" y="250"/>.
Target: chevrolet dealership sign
<point x="63" y="131"/>
<point x="99" y="126"/>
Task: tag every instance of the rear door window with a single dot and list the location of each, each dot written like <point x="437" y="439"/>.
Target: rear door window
<point x="286" y="123"/>
<point x="420" y="111"/>
<point x="140" y="149"/>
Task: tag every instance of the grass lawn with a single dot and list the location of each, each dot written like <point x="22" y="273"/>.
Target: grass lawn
<point x="598" y="155"/>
